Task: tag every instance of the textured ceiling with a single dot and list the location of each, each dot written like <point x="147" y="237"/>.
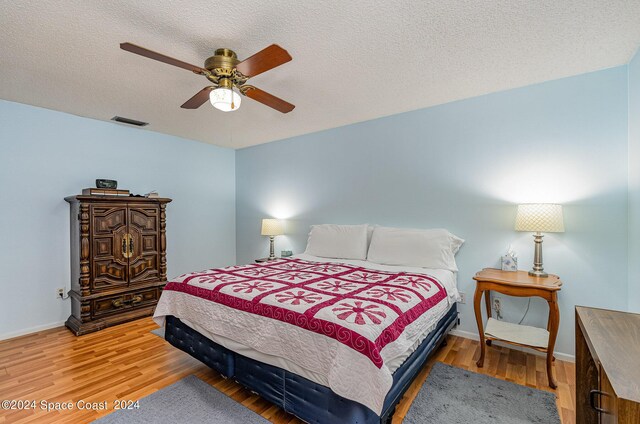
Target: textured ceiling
<point x="352" y="60"/>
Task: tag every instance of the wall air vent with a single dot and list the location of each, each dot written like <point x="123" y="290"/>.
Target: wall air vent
<point x="129" y="121"/>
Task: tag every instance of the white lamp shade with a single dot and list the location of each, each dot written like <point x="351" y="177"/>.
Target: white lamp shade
<point x="272" y="227"/>
<point x="221" y="98"/>
<point x="540" y="217"/>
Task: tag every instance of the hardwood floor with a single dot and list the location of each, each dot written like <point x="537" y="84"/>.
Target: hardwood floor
<point x="128" y="362"/>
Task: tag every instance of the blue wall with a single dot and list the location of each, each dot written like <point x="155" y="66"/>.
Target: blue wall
<point x="464" y="166"/>
<point x="47" y="155"/>
<point x="634" y="184"/>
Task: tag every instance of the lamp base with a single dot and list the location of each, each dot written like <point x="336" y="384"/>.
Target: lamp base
<point x="272" y="255"/>
<point x="538" y="270"/>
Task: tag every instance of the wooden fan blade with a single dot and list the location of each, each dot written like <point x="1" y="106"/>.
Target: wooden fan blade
<point x="198" y="100"/>
<point x="160" y="57"/>
<point x="265" y="59"/>
<point x="269" y="100"/>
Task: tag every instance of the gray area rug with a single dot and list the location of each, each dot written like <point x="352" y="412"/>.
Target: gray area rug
<point x="190" y="400"/>
<point x="158" y="332"/>
<point x="453" y="395"/>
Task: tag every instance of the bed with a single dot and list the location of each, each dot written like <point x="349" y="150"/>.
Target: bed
<point x="338" y="341"/>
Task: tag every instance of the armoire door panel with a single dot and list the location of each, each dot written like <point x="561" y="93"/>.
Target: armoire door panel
<point x="103" y="246"/>
<point x="109" y="265"/>
<point x="144" y="218"/>
<point x="107" y="271"/>
<point x="107" y="219"/>
<point x="144" y="268"/>
<point x="144" y="261"/>
<point x="150" y="243"/>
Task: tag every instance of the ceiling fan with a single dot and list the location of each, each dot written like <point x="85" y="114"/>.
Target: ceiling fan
<point x="228" y="75"/>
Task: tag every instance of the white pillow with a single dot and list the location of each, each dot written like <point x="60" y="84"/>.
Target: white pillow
<point x="338" y="241"/>
<point x="370" y="234"/>
<point x="433" y="248"/>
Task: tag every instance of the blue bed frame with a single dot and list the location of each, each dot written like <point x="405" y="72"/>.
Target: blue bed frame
<point x="303" y="398"/>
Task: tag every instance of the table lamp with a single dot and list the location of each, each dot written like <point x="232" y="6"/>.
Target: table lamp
<point x="539" y="218"/>
<point x="272" y="227"/>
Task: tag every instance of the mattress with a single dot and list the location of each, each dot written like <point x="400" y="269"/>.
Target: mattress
<point x="447" y="278"/>
<point x="339" y="363"/>
<point x="309" y="401"/>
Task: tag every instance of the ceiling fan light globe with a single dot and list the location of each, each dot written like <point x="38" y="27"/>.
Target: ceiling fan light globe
<point x="223" y="98"/>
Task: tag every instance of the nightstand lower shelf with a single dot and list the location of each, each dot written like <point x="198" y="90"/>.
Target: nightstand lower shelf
<point x="523" y="335"/>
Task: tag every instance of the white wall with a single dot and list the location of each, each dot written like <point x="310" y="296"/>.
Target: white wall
<point x="464" y="166"/>
<point x="47" y="155"/>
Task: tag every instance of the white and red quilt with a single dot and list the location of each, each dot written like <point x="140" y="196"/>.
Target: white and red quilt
<point x="351" y="312"/>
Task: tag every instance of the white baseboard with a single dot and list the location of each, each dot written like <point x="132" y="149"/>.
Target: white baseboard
<point x="474" y="336"/>
<point x="30" y="330"/>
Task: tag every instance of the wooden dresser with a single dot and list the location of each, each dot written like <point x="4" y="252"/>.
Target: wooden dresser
<point x="607" y="366"/>
<point x="118" y="259"/>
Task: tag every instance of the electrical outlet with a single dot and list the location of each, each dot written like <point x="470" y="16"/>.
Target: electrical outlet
<point x="60" y="292"/>
<point x="497" y="306"/>
<point x="463" y="297"/>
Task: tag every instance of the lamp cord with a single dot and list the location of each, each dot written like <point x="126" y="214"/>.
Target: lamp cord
<point x="525" y="312"/>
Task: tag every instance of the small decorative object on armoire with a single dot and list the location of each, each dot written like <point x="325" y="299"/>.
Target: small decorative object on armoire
<point x="118" y="259"/>
<point x="272" y="227"/>
<point x="105" y="192"/>
<point x="539" y="218"/>
<point x="102" y="183"/>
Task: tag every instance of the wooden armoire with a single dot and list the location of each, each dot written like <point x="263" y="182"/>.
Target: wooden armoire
<point x="118" y="259"/>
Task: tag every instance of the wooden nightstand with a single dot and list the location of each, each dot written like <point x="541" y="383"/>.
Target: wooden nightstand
<point x="518" y="283"/>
